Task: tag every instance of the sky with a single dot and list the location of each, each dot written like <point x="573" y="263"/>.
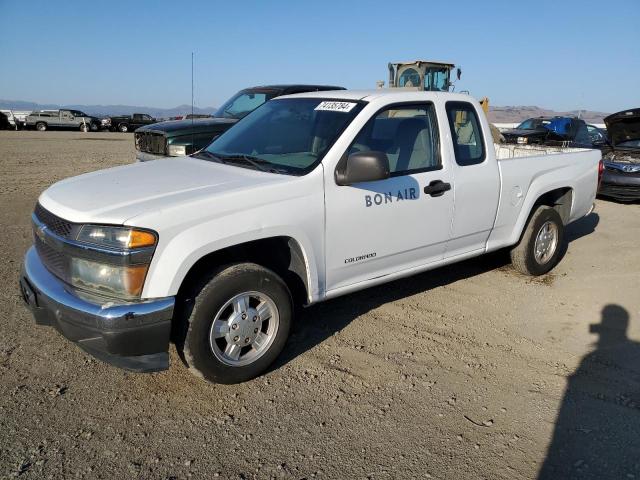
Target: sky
<point x="561" y="54"/>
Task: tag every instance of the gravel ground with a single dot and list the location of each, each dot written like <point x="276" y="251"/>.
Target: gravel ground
<point x="469" y="371"/>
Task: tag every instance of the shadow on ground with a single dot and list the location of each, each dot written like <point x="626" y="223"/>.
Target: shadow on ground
<point x="597" y="431"/>
<point x="321" y="321"/>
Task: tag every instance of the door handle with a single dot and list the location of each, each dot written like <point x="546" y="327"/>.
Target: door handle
<point x="437" y="188"/>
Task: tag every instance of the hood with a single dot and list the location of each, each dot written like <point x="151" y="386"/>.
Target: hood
<point x="117" y="194"/>
<point x="188" y="126"/>
<point x="623" y="126"/>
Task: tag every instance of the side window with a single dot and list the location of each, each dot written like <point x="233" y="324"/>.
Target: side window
<point x="408" y="134"/>
<point x="468" y="143"/>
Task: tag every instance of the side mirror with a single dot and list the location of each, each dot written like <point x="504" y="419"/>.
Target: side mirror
<point x="363" y="167"/>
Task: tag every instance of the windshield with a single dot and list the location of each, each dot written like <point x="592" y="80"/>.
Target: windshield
<point x="288" y="136"/>
<point x="532" y="124"/>
<point x="78" y="113"/>
<point x="243" y="103"/>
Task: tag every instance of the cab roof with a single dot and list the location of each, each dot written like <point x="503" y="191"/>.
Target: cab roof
<point x="370" y="95"/>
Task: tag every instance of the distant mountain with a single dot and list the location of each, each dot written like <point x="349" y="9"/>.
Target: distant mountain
<point x="520" y="113"/>
<point x="103" y="110"/>
<point x="509" y="114"/>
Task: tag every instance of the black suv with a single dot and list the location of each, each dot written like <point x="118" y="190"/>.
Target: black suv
<point x="184" y="137"/>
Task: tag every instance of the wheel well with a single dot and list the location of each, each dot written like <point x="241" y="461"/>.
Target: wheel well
<point x="559" y="199"/>
<point x="283" y="255"/>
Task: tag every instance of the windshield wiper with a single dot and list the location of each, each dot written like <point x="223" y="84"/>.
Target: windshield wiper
<point x="207" y="154"/>
<point x="255" y="162"/>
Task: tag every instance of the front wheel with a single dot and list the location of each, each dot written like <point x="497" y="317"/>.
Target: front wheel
<point x="41" y="126"/>
<point x="238" y="324"/>
<point x="542" y="243"/>
<point x="84" y="127"/>
<point x="123" y="127"/>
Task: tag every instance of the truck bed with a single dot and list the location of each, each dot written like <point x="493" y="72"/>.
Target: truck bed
<point x="506" y="151"/>
<point x="528" y="171"/>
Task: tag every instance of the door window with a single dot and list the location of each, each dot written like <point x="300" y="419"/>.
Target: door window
<point x="466" y="134"/>
<point x="408" y="134"/>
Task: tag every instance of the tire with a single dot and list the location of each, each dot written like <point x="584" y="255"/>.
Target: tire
<point x="94" y="127"/>
<point x="217" y="330"/>
<point x="123" y="127"/>
<point x="539" y="251"/>
<point x="84" y="127"/>
<point x="41" y="126"/>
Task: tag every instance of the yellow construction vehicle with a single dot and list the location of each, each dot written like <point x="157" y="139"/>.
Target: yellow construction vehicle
<point x="427" y="75"/>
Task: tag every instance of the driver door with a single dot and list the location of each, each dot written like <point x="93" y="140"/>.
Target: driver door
<point x="388" y="226"/>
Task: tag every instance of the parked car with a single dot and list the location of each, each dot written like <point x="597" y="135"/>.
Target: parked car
<point x="4" y="121"/>
<point x="310" y="197"/>
<point x="597" y="136"/>
<point x="532" y="129"/>
<point x="16" y="118"/>
<point x="567" y="131"/>
<point x="43" y="120"/>
<point x="127" y="123"/>
<point x="184" y="137"/>
<point x="621" y="176"/>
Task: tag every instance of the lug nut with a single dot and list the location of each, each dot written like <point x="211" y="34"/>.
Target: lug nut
<point x="244" y="316"/>
<point x="236" y="338"/>
<point x="255" y="330"/>
<point x="234" y="326"/>
<point x="246" y="340"/>
<point x="255" y="319"/>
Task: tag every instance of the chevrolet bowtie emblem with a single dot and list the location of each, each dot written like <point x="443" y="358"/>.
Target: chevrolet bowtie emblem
<point x="40" y="232"/>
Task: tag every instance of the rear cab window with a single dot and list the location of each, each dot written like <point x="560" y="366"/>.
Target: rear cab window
<point x="466" y="133"/>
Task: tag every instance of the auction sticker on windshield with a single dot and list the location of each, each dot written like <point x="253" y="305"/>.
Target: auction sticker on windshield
<point x="336" y="106"/>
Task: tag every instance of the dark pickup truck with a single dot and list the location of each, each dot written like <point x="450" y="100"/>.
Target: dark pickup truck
<point x="184" y="137"/>
<point x="127" y="123"/>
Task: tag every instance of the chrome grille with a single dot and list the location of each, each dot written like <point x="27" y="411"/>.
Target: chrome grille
<point x="150" y="142"/>
<point x="54" y="223"/>
<point x="56" y="262"/>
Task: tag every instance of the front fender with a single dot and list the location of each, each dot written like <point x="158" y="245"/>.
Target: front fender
<point x="170" y="266"/>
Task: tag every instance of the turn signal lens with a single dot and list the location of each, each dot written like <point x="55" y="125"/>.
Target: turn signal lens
<point x="116" y="237"/>
<point x="140" y="238"/>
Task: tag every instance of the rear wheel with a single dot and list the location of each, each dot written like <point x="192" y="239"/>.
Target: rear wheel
<point x="238" y="324"/>
<point x="542" y="243"/>
<point x="41" y="126"/>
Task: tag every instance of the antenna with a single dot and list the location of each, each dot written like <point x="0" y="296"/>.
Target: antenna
<point x="192" y="133"/>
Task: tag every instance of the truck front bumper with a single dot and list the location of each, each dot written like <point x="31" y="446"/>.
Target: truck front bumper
<point x="133" y="336"/>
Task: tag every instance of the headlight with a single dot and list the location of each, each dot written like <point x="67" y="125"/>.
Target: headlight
<point x="117" y="269"/>
<point x="523" y="140"/>
<point x="177" y="150"/>
<point x="112" y="280"/>
<point x="116" y="237"/>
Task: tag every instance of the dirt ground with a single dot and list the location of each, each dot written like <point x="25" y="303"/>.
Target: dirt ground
<point x="469" y="371"/>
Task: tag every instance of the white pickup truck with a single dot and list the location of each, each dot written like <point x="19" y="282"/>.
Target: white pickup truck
<point x="309" y="197"/>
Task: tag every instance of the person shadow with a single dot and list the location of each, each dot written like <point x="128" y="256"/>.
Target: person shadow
<point x="597" y="431"/>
